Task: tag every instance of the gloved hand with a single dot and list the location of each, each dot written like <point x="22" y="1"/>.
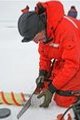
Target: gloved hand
<point x="43" y="74"/>
<point x="40" y="79"/>
<point x="47" y="98"/>
<point x="47" y="94"/>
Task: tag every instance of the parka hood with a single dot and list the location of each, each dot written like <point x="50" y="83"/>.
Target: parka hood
<point x="54" y="12"/>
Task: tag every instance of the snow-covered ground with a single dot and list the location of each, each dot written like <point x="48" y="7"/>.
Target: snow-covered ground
<point x="19" y="62"/>
<point x="35" y="113"/>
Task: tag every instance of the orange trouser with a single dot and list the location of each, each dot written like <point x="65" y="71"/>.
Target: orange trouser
<point x="64" y="101"/>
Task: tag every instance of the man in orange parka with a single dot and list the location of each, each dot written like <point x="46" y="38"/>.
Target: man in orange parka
<point x="61" y="45"/>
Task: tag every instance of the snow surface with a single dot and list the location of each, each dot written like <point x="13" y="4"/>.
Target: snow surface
<point x="35" y="113"/>
<point x="19" y="62"/>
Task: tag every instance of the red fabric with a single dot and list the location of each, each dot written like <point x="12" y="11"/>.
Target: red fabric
<point x="64" y="101"/>
<point x="65" y="48"/>
<point x="25" y="10"/>
<point x="54" y="11"/>
<point x="60" y="117"/>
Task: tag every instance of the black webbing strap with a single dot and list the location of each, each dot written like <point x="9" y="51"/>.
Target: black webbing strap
<point x="53" y="89"/>
<point x="64" y="93"/>
<point x="68" y="92"/>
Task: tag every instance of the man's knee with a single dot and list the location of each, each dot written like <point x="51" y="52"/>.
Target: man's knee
<point x="64" y="101"/>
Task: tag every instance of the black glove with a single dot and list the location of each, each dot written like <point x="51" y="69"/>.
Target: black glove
<point x="47" y="94"/>
<point x="42" y="76"/>
<point x="40" y="79"/>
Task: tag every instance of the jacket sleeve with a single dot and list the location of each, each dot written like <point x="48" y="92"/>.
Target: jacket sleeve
<point x="71" y="58"/>
<point x="44" y="61"/>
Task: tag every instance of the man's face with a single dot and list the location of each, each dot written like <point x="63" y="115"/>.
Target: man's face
<point x="41" y="36"/>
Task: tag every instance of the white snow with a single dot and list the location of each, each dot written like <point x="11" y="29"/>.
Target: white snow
<point x="19" y="62"/>
<point x="34" y="113"/>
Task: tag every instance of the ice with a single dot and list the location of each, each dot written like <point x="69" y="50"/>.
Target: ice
<point x="19" y="62"/>
<point x="35" y="113"/>
<point x="35" y="102"/>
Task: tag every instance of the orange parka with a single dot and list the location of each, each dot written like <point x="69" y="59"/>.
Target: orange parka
<point x="64" y="48"/>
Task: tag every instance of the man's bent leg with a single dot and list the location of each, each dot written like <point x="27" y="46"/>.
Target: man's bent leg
<point x="64" y="101"/>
